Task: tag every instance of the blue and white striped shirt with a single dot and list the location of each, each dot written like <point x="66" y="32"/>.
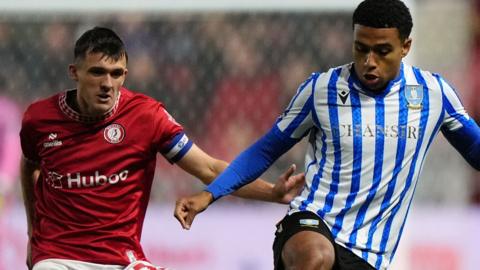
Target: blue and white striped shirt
<point x="366" y="151"/>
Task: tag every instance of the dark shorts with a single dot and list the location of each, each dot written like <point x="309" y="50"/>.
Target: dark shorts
<point x="290" y="225"/>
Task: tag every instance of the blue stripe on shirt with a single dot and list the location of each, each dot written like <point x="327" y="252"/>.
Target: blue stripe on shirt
<point x="399" y="156"/>
<point x="430" y="140"/>
<point x="452" y="112"/>
<point x="316" y="178"/>
<point x="313" y="77"/>
<point x="297" y="121"/>
<point x="357" y="156"/>
<point x="413" y="165"/>
<point x="333" y="114"/>
<point x="377" y="171"/>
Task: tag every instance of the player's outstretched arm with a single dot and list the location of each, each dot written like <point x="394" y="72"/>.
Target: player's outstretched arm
<point x="286" y="187"/>
<point x="206" y="168"/>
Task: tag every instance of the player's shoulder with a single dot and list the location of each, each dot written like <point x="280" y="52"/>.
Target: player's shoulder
<point x="132" y="96"/>
<point x="322" y="79"/>
<point x="140" y="103"/>
<point x="42" y="108"/>
<point x="417" y="75"/>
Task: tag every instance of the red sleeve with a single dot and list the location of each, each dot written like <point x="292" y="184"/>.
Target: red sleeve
<point x="28" y="139"/>
<point x="166" y="128"/>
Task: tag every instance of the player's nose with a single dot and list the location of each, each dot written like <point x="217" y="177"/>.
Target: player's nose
<point x="107" y="82"/>
<point x="370" y="61"/>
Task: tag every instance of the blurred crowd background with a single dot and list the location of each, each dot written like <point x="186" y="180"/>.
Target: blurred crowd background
<point x="225" y="75"/>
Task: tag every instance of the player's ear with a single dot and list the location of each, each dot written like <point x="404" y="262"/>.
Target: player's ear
<point x="72" y="72"/>
<point x="407" y="44"/>
<point x="125" y="72"/>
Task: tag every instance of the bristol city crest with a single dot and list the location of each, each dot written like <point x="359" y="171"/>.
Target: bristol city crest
<point x="114" y="133"/>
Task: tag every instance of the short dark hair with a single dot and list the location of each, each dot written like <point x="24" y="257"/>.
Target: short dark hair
<point x="100" y="39"/>
<point x="384" y="14"/>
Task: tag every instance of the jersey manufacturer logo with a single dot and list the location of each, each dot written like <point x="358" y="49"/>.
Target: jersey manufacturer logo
<point x="114" y="133"/>
<point x="343" y="96"/>
<point x="52" y="141"/>
<point x="414" y="96"/>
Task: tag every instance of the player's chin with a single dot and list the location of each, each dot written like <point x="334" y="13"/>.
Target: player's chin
<point x="103" y="108"/>
<point x="376" y="85"/>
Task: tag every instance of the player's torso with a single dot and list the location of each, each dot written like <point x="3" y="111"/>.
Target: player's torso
<point x="77" y="151"/>
<point x="360" y="135"/>
<point x="95" y="177"/>
<point x="366" y="153"/>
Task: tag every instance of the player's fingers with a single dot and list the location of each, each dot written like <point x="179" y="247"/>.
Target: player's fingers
<point x="298" y="179"/>
<point x="286" y="175"/>
<point x="299" y="182"/>
<point x="180" y="219"/>
<point x="181" y="212"/>
<point x="189" y="219"/>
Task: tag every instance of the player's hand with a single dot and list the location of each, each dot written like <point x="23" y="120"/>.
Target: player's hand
<point x="187" y="208"/>
<point x="287" y="186"/>
<point x="29" y="254"/>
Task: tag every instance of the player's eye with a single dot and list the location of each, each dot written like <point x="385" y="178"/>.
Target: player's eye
<point x="97" y="71"/>
<point x="117" y="73"/>
<point x="361" y="48"/>
<point x="383" y="50"/>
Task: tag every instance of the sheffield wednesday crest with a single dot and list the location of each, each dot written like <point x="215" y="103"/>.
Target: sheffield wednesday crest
<point x="414" y="96"/>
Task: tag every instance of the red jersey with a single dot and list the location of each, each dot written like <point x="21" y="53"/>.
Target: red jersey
<point x="96" y="175"/>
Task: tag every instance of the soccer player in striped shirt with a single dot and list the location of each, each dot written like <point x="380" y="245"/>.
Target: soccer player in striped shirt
<point x="89" y="161"/>
<point x="369" y="124"/>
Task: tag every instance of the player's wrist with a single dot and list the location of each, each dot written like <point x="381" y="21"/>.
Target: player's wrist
<point x="207" y="196"/>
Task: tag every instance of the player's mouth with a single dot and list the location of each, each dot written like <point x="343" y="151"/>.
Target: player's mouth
<point x="371" y="80"/>
<point x="104" y="98"/>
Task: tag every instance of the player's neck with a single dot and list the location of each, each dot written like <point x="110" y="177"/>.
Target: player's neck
<point x="72" y="101"/>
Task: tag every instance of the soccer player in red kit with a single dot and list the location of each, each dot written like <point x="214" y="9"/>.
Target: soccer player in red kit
<point x="89" y="160"/>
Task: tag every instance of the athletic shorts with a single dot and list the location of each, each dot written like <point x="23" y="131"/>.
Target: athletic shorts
<point x="305" y="221"/>
<point x="63" y="264"/>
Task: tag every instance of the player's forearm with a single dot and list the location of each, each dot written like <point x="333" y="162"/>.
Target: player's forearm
<point x="28" y="174"/>
<point x="257" y="190"/>
<point x="250" y="165"/>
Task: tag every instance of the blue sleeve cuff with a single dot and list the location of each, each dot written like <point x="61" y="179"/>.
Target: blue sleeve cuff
<point x="251" y="163"/>
<point x="467" y="141"/>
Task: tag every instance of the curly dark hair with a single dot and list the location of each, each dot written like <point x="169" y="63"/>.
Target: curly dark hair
<point x="384" y="14"/>
<point x="100" y="39"/>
